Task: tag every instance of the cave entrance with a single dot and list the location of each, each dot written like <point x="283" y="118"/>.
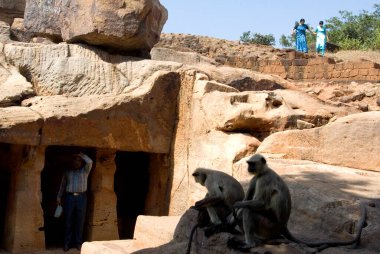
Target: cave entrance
<point x="57" y="160"/>
<point x="5" y="185"/>
<point x="131" y="183"/>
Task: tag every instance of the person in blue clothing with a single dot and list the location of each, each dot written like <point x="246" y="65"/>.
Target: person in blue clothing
<point x="322" y="37"/>
<point x="300" y="31"/>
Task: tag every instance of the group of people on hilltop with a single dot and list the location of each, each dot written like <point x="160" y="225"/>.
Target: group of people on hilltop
<point x="300" y="29"/>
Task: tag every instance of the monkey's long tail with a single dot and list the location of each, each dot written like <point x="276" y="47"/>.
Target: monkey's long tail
<point x="191" y="238"/>
<point x="323" y="245"/>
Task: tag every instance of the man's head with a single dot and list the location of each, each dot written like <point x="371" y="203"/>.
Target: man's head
<point x="321" y="23"/>
<point x="302" y="21"/>
<point x="78" y="162"/>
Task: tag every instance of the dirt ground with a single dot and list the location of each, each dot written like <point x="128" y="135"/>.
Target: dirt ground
<point x="355" y="55"/>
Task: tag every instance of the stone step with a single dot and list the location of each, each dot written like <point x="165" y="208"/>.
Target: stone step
<point x="150" y="231"/>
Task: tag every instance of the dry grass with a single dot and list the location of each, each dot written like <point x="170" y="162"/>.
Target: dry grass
<point x="355" y="55"/>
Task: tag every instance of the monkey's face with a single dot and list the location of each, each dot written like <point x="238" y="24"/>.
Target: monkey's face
<point x="252" y="167"/>
<point x="199" y="177"/>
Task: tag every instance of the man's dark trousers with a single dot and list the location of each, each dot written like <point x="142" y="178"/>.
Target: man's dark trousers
<point x="75" y="214"/>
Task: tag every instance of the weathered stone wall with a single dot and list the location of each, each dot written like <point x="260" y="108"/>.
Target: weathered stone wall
<point x="288" y="64"/>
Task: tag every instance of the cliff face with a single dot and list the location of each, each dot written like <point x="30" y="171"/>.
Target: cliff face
<point x="148" y="123"/>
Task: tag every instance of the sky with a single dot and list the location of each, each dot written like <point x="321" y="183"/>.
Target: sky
<point x="228" y="19"/>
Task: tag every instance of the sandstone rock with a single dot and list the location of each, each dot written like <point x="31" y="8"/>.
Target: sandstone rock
<point x="345" y="99"/>
<point x="13" y="4"/>
<point x="197" y="142"/>
<point x="18" y="31"/>
<point x="150" y="232"/>
<point x="243" y="79"/>
<point x="5" y="33"/>
<point x="264" y="113"/>
<point x="148" y="113"/>
<point x="122" y="25"/>
<point x="378" y="101"/>
<point x="350" y="141"/>
<point x="218" y="48"/>
<point x="304" y="125"/>
<point x="370" y="93"/>
<point x="165" y="54"/>
<point x="80" y="70"/>
<point x="14" y="89"/>
<point x="20" y="125"/>
<point x="10" y="9"/>
<point x="358" y="96"/>
<point x="325" y="206"/>
<point x="363" y="107"/>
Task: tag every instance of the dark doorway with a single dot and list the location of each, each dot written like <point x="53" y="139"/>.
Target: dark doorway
<point x="5" y="180"/>
<point x="131" y="187"/>
<point x="57" y="160"/>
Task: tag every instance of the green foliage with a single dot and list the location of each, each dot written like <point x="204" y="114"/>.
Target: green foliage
<point x="290" y="41"/>
<point x="256" y="38"/>
<point x="360" y="31"/>
<point x="286" y="41"/>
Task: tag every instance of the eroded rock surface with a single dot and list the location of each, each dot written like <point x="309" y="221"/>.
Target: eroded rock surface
<point x="121" y="25"/>
<point x="325" y="206"/>
<point x="351" y="141"/>
<point x="100" y="121"/>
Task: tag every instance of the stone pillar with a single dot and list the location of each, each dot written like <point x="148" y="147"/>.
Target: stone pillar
<point x="102" y="205"/>
<point x="24" y="224"/>
<point x="158" y="196"/>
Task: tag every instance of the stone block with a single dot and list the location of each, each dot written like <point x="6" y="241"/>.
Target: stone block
<point x="300" y="62"/>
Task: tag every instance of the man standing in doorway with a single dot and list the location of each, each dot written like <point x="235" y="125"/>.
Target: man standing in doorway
<point x="74" y="185"/>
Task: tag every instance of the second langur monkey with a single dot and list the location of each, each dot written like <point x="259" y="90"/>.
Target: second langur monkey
<point x="266" y="210"/>
<point x="223" y="191"/>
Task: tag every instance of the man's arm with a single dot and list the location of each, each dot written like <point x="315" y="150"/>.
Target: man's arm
<point x="88" y="161"/>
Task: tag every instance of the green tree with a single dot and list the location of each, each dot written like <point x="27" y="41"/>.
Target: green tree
<point x="360" y="31"/>
<point x="286" y="41"/>
<point x="256" y="38"/>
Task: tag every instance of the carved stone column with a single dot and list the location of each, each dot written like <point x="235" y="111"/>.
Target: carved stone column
<point x="23" y="226"/>
<point x="102" y="202"/>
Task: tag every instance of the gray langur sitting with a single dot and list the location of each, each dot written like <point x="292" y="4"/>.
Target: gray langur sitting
<point x="223" y="191"/>
<point x="266" y="208"/>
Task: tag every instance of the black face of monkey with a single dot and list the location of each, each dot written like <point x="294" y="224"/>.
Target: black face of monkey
<point x="252" y="167"/>
<point x="199" y="177"/>
<point x="256" y="164"/>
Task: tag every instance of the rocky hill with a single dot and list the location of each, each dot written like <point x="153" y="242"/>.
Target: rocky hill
<point x="150" y="110"/>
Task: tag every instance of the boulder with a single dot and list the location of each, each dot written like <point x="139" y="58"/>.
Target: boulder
<point x="120" y="25"/>
<point x="20" y="125"/>
<point x="147" y="113"/>
<point x="19" y="33"/>
<point x="351" y="141"/>
<point x="14" y="88"/>
<point x="80" y="70"/>
<point x="198" y="143"/>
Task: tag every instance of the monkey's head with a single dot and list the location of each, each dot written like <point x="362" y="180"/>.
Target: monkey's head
<point x="256" y="164"/>
<point x="200" y="176"/>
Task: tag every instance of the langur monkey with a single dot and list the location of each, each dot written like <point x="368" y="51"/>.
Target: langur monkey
<point x="266" y="209"/>
<point x="223" y="191"/>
